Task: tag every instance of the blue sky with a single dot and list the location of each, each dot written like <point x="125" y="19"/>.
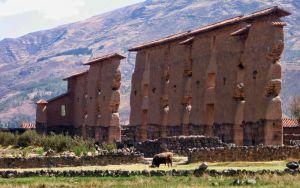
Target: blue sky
<point x="19" y="17"/>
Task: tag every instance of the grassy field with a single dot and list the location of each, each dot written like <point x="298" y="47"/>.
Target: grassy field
<point x="270" y="165"/>
<point x="267" y="181"/>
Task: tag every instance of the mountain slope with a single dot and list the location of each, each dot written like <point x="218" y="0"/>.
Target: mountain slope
<point x="31" y="66"/>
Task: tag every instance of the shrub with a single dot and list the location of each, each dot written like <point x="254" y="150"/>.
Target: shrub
<point x="58" y="143"/>
<point x="80" y="150"/>
<point x="40" y="150"/>
<point x="7" y="138"/>
<point x="29" y="138"/>
<point x="109" y="146"/>
<point x="61" y="143"/>
<point x="82" y="147"/>
<point x="25" y="152"/>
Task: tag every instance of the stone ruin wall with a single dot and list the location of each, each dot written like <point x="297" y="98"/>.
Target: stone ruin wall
<point x="244" y="153"/>
<point x="91" y="103"/>
<point x="116" y="158"/>
<point x="179" y="145"/>
<point x="77" y="86"/>
<point x="224" y="83"/>
<point x="147" y="173"/>
<point x="200" y="148"/>
<point x="291" y="135"/>
<point x="103" y="100"/>
<point x="53" y="114"/>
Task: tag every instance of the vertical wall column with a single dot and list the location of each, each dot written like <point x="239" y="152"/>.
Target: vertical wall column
<point x="41" y="116"/>
<point x="114" y="131"/>
<point x="145" y="101"/>
<point x="98" y="108"/>
<point x="83" y="129"/>
<point x="97" y="134"/>
<point x="273" y="126"/>
<point x="99" y="101"/>
<point x="211" y="74"/>
<point x="85" y="111"/>
<point x="165" y="96"/>
<point x="187" y="98"/>
<point x="238" y="135"/>
<point x="239" y="94"/>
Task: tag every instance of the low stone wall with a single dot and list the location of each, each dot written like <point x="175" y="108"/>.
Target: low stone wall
<point x="60" y="161"/>
<point x="291" y="135"/>
<point x="147" y="173"/>
<point x="128" y="135"/>
<point x="258" y="153"/>
<point x="179" y="145"/>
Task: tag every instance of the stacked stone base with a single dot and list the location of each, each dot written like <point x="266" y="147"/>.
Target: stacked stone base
<point x="179" y="145"/>
<point x="62" y="161"/>
<point x="251" y="153"/>
<point x="146" y="173"/>
<point x="267" y="132"/>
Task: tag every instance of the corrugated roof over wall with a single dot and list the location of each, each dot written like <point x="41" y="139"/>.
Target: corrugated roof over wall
<point x="286" y="122"/>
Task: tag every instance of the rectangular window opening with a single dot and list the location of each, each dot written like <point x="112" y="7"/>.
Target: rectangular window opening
<point x="146" y="90"/>
<point x="63" y="110"/>
<point x="210" y="113"/>
<point x="211" y="80"/>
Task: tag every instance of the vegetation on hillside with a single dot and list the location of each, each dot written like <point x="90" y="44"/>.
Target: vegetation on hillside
<point x="77" y="51"/>
<point x="45" y="88"/>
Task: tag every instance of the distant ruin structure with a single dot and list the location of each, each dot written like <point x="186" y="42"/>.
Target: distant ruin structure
<point x="220" y="80"/>
<point x="90" y="106"/>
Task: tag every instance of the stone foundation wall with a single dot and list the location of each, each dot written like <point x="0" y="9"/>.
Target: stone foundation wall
<point x="146" y="173"/>
<point x="291" y="135"/>
<point x="99" y="160"/>
<point x="179" y="145"/>
<point x="128" y="135"/>
<point x="258" y="153"/>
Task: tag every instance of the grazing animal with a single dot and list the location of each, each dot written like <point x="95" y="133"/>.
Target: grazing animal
<point x="162" y="158"/>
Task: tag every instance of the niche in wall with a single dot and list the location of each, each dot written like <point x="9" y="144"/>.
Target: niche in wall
<point x="211" y="80"/>
<point x="210" y="113"/>
<point x="63" y="110"/>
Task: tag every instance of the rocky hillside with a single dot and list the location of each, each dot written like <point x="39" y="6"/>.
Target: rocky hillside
<point x="32" y="66"/>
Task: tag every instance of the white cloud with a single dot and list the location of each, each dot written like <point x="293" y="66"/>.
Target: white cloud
<point x="50" y="9"/>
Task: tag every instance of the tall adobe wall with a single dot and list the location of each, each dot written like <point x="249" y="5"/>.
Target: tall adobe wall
<point x="78" y="87"/>
<point x="102" y="99"/>
<point x="90" y="108"/>
<point x="263" y="81"/>
<point x="221" y="82"/>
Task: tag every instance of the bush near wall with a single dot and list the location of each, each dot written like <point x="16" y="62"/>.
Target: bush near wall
<point x="107" y="158"/>
<point x="57" y="143"/>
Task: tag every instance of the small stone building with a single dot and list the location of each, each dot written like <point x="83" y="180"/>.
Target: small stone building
<point x="90" y="106"/>
<point x="291" y="131"/>
<point x="221" y="80"/>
